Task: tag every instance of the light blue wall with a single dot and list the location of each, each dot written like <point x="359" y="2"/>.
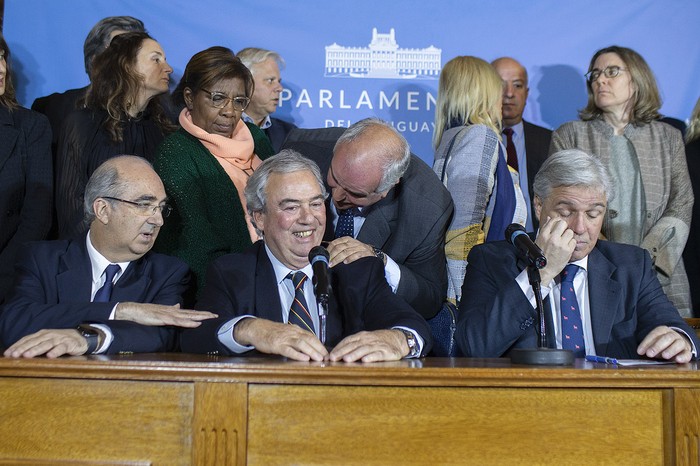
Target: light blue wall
<point x="553" y="39"/>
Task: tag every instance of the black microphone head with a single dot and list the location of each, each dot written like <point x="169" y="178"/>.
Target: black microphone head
<point x="512" y="228"/>
<point x="318" y="251"/>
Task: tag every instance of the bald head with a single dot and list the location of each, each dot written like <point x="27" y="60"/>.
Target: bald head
<point x="368" y="160"/>
<point x="515" y="89"/>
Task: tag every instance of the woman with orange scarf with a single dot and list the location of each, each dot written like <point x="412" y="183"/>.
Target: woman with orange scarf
<point x="206" y="164"/>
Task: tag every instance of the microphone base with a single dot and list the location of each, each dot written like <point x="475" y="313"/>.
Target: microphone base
<point x="542" y="357"/>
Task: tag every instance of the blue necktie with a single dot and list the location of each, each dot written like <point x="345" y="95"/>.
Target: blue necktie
<point x="571" y="326"/>
<point x="104" y="294"/>
<point x="299" y="311"/>
<point x="346" y="223"/>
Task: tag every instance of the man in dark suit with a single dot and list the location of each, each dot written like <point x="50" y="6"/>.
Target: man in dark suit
<point x="119" y="296"/>
<point x="611" y="304"/>
<point x="399" y="209"/>
<point x="530" y="142"/>
<point x="265" y="67"/>
<point x="259" y="292"/>
<point x="58" y="105"/>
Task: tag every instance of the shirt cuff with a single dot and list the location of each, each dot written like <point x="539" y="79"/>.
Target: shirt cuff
<point x="692" y="344"/>
<point x="225" y="335"/>
<point x="392" y="272"/>
<point x="419" y="340"/>
<point x="109" y="337"/>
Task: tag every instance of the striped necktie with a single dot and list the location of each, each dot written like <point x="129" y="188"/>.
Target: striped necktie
<point x="299" y="311"/>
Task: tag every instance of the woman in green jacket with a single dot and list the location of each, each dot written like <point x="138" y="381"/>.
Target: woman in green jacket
<point x="205" y="164"/>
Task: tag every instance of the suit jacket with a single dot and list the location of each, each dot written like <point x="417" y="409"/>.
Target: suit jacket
<point x="277" y="132"/>
<point x="245" y="284"/>
<point x="537" y="140"/>
<point x="626" y="302"/>
<point x="409" y="224"/>
<point x="26" y="185"/>
<point x="56" y="107"/>
<point x="53" y="287"/>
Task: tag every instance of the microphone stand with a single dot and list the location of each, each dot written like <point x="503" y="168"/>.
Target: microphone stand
<point x="322" y="303"/>
<point x="542" y="355"/>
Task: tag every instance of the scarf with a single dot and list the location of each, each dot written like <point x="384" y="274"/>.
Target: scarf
<point x="235" y="155"/>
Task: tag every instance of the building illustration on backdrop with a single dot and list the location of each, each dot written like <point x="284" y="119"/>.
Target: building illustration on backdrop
<point x="382" y="59"/>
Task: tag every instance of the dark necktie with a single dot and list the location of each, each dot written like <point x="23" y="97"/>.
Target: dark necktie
<point x="571" y="326"/>
<point x="104" y="294"/>
<point x="510" y="149"/>
<point x="299" y="311"/>
<point x="346" y="223"/>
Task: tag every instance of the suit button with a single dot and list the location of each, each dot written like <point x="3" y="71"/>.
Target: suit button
<point x="612" y="213"/>
<point x="9" y="213"/>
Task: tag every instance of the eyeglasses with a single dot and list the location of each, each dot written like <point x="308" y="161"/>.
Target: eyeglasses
<point x="220" y="100"/>
<point x="609" y="72"/>
<point x="144" y="208"/>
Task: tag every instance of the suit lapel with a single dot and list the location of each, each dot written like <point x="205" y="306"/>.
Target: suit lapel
<point x="267" y="300"/>
<point x="604" y="297"/>
<point x="135" y="282"/>
<point x="377" y="227"/>
<point x="8" y="136"/>
<point x="74" y="278"/>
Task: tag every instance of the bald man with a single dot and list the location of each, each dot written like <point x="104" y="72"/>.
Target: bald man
<point x="531" y="142"/>
<point x="388" y="203"/>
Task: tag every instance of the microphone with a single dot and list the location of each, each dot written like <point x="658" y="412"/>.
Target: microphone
<point x="318" y="257"/>
<point x="516" y="235"/>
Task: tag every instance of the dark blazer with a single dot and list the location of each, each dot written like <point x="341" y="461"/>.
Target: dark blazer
<point x="537" y="141"/>
<point x="277" y="132"/>
<point x="26" y="185"/>
<point x="691" y="253"/>
<point x="409" y="224"/>
<point x="56" y="107"/>
<point x="626" y="302"/>
<point x="53" y="286"/>
<point x="244" y="283"/>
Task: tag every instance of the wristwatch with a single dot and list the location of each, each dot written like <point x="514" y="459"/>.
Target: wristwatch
<point x="91" y="335"/>
<point x="380" y="254"/>
<point x="413" y="350"/>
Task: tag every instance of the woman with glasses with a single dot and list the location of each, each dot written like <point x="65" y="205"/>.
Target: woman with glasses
<point x="122" y="115"/>
<point x="206" y="164"/>
<point x="26" y="179"/>
<point x="653" y="198"/>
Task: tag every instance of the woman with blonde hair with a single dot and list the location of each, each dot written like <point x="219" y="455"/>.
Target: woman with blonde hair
<point x="470" y="160"/>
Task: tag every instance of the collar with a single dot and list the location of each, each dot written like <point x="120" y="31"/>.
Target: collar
<point x="281" y="270"/>
<point x="518" y="130"/>
<point x="267" y="122"/>
<point x="99" y="262"/>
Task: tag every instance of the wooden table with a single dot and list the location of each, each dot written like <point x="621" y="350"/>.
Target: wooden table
<point x="184" y="409"/>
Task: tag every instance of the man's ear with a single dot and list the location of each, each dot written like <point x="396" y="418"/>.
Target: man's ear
<point x="102" y="209"/>
<point x="258" y="221"/>
<point x="537" y="202"/>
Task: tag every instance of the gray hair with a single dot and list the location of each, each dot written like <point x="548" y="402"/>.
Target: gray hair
<point x="287" y="161"/>
<point x="251" y="56"/>
<point x="396" y="153"/>
<point x="105" y="182"/>
<point x="98" y="38"/>
<point x="572" y="167"/>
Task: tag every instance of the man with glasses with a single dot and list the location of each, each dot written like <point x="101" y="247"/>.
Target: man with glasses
<point x="104" y="292"/>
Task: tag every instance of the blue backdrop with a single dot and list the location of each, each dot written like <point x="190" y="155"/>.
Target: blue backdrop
<point x="336" y="74"/>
